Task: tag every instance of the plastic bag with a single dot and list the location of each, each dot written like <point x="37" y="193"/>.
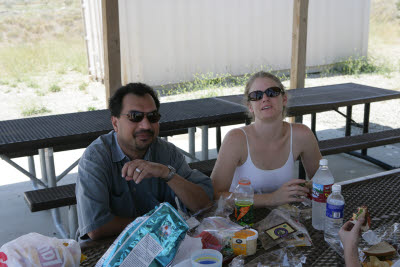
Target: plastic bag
<point x="222" y="228"/>
<point x="152" y="239"/>
<point x="390" y="234"/>
<point x="38" y="250"/>
<point x="281" y="257"/>
<point x="300" y="210"/>
<point x="279" y="228"/>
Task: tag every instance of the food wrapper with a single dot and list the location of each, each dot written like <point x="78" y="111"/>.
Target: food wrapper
<point x="222" y="228"/>
<point x="299" y="210"/>
<point x="281" y="257"/>
<point x="36" y="250"/>
<point x="387" y="233"/>
<point x="279" y="228"/>
<point x="150" y="240"/>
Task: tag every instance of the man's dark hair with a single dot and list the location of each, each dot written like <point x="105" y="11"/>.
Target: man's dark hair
<point x="140" y="89"/>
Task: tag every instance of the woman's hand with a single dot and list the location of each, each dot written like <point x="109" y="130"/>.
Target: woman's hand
<point x="289" y="192"/>
<point x="350" y="233"/>
<point x="350" y="236"/>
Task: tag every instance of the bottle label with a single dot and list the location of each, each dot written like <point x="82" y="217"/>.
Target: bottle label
<point x="321" y="192"/>
<point x="244" y="213"/>
<point x="334" y="211"/>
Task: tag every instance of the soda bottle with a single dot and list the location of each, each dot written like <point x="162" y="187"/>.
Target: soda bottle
<point x="322" y="187"/>
<point x="244" y="202"/>
<point x="334" y="215"/>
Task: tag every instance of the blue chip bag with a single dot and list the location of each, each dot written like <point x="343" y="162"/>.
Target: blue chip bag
<point x="150" y="240"/>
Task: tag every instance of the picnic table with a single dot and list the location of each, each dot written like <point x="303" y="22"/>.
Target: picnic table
<point x="380" y="192"/>
<point x="48" y="134"/>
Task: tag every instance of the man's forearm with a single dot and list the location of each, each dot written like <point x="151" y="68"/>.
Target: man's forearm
<point x="112" y="228"/>
<point x="193" y="196"/>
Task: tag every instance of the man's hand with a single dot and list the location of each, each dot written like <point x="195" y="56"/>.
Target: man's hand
<point x="139" y="169"/>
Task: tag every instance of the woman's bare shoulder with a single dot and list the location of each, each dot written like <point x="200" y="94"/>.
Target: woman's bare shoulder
<point x="301" y="132"/>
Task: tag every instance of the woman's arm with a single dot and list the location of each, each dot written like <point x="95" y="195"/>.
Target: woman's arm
<point x="308" y="147"/>
<point x="229" y="157"/>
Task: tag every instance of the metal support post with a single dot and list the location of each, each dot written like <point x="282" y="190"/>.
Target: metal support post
<point x="192" y="143"/>
<point x="366" y="124"/>
<point x="43" y="165"/>
<point x="72" y="221"/>
<point x="204" y="142"/>
<point x="218" y="137"/>
<point x="314" y="123"/>
<point x="51" y="175"/>
<point x="348" y="120"/>
<point x="298" y="119"/>
<point x="32" y="170"/>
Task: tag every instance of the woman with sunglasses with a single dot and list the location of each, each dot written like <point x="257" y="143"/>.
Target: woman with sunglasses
<point x="266" y="150"/>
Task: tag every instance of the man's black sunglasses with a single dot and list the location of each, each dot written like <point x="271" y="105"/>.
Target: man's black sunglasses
<point x="270" y="92"/>
<point x="138" y="116"/>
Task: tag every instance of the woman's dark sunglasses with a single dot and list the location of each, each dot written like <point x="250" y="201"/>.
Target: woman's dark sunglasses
<point x="270" y="92"/>
<point x="138" y="116"/>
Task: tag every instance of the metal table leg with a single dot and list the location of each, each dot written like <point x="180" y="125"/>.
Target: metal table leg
<point x="218" y="137"/>
<point x="72" y="221"/>
<point x="51" y="175"/>
<point x="348" y="121"/>
<point x="204" y="142"/>
<point x="32" y="170"/>
<point x="192" y="143"/>
<point x="366" y="124"/>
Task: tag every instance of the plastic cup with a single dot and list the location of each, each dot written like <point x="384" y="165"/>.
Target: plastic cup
<point x="206" y="258"/>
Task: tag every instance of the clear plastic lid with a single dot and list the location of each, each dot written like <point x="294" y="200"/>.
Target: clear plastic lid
<point x="323" y="162"/>
<point x="336" y="188"/>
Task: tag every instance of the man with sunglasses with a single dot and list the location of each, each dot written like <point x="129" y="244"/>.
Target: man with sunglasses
<point x="127" y="172"/>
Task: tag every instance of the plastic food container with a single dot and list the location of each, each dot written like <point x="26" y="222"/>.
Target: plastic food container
<point x="206" y="258"/>
<point x="244" y="242"/>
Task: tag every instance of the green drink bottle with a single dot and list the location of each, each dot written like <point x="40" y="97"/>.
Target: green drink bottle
<point x="244" y="202"/>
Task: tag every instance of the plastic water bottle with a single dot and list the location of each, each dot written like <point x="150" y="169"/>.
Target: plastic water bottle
<point x="334" y="215"/>
<point x="322" y="188"/>
<point x="244" y="202"/>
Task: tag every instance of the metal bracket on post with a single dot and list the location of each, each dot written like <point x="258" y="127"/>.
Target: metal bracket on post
<point x="204" y="142"/>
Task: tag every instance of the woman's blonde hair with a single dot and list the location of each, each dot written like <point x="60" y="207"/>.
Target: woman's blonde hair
<point x="267" y="75"/>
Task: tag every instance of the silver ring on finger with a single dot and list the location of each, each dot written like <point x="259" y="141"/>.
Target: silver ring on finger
<point x="138" y="170"/>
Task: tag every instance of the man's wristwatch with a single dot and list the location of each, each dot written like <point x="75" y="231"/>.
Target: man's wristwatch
<point x="171" y="173"/>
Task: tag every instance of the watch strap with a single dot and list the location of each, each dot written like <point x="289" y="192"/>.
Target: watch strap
<point x="171" y="173"/>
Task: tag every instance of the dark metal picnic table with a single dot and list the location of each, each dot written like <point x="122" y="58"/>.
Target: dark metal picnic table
<point x="44" y="135"/>
<point x="380" y="192"/>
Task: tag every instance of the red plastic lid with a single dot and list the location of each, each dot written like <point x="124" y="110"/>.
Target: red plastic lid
<point x="244" y="182"/>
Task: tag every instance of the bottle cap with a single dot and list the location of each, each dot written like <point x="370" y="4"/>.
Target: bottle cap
<point x="244" y="181"/>
<point x="336" y="188"/>
<point x="323" y="162"/>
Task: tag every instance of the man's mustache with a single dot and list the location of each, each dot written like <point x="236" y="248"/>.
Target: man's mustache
<point x="143" y="132"/>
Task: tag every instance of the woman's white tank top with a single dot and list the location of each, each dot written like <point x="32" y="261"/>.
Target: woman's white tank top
<point x="264" y="181"/>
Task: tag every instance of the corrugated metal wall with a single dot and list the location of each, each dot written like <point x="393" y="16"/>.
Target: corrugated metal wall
<point x="169" y="41"/>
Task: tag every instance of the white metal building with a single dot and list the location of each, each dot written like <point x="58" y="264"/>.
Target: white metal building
<point x="169" y="41"/>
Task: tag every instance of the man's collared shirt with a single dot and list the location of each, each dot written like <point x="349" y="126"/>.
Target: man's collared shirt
<point x="103" y="193"/>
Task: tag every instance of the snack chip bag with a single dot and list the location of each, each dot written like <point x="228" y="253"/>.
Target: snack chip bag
<point x="38" y="250"/>
<point x="150" y="240"/>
